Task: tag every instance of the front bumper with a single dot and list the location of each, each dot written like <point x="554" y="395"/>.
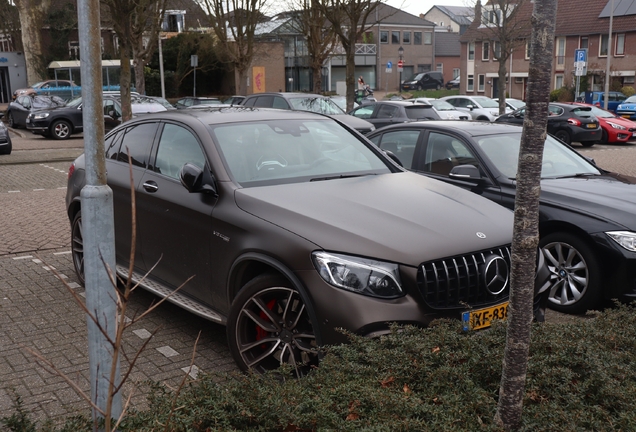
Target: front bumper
<point x="38" y="126"/>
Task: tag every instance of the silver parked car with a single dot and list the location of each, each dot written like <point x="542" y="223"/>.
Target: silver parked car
<point x="478" y="107"/>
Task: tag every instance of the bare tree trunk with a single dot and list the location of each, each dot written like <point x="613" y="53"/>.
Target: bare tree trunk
<point x="241" y="78"/>
<point x="140" y="79"/>
<point x="526" y="218"/>
<point x="350" y="79"/>
<point x="501" y="89"/>
<point x="317" y="79"/>
<point x="124" y="81"/>
<point x="31" y="21"/>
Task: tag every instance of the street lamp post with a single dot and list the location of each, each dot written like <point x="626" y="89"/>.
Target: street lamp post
<point x="608" y="72"/>
<point x="400" y="67"/>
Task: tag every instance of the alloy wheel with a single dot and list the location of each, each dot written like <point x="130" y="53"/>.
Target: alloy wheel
<point x="569" y="273"/>
<point x="77" y="246"/>
<point x="274" y="328"/>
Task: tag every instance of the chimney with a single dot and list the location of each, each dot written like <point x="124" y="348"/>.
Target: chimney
<point x="478" y="12"/>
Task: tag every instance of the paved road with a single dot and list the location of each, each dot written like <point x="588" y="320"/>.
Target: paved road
<point x="37" y="311"/>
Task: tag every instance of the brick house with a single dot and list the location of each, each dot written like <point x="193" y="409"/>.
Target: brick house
<point x="454" y="19"/>
<point x="580" y="24"/>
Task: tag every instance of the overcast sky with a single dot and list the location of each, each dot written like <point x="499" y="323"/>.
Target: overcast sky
<point x="416" y="7"/>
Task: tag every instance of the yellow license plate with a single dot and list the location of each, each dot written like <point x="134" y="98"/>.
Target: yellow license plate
<point x="626" y="116"/>
<point x="591" y="125"/>
<point x="483" y="318"/>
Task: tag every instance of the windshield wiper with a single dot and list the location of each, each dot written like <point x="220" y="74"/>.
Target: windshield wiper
<point x="576" y="175"/>
<point x="340" y="176"/>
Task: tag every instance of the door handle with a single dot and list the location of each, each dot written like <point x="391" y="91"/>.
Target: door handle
<point x="151" y="186"/>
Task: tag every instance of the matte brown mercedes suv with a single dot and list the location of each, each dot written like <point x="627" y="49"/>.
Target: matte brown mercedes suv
<point x="294" y="226"/>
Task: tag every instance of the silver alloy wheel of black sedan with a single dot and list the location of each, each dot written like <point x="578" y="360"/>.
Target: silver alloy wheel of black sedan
<point x="60" y="129"/>
<point x="77" y="246"/>
<point x="574" y="273"/>
<point x="270" y="325"/>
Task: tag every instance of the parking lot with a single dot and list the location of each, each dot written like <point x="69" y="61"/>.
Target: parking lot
<point x="38" y="312"/>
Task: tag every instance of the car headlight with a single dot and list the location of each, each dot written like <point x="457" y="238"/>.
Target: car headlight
<point x="359" y="275"/>
<point x="40" y="116"/>
<point x="626" y="239"/>
<point x="616" y="126"/>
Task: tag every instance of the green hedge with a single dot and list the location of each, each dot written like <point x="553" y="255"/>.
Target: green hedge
<point x="581" y="377"/>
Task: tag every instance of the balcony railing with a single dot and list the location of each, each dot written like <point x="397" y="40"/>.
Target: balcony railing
<point x="361" y="49"/>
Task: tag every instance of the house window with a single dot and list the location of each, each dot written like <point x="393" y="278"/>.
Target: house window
<point x="602" y="47"/>
<point x="491" y="17"/>
<point x="485" y="51"/>
<point x="428" y="38"/>
<point x="470" y="86"/>
<point x="558" y="82"/>
<point x="417" y="38"/>
<point x="628" y="79"/>
<point x="406" y="37"/>
<point x="471" y="50"/>
<point x="527" y="49"/>
<point x="395" y="37"/>
<point x="440" y="67"/>
<point x="441" y="23"/>
<point x="384" y="36"/>
<point x="497" y="53"/>
<point x="560" y="54"/>
<point x="5" y="43"/>
<point x="73" y="50"/>
<point x="173" y="21"/>
<point x="455" y="72"/>
<point x="620" y="45"/>
<point x="583" y="42"/>
<point x="481" y="83"/>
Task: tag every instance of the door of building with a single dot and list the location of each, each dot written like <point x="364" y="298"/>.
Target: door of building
<point x="5" y="90"/>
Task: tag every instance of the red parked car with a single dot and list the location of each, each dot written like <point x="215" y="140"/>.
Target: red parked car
<point x="615" y="129"/>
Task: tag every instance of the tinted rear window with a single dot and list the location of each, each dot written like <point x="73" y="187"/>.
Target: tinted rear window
<point x="415" y="113"/>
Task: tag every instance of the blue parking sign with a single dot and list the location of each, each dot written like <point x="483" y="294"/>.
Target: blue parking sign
<point x="580" y="55"/>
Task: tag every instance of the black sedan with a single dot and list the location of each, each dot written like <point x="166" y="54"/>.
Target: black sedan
<point x="63" y="121"/>
<point x="385" y="113"/>
<point x="285" y="219"/>
<point x="567" y="122"/>
<point x="587" y="215"/>
<point x="19" y="110"/>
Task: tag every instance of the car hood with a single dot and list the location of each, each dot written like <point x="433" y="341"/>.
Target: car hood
<point x="627" y="106"/>
<point x="630" y="125"/>
<point x="611" y="197"/>
<point x="354" y="122"/>
<point x="401" y="217"/>
<point x="54" y="109"/>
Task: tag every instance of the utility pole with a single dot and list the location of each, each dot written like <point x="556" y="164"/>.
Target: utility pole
<point x="608" y="72"/>
<point x="98" y="227"/>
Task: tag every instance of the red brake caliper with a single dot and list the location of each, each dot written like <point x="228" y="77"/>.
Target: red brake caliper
<point x="260" y="333"/>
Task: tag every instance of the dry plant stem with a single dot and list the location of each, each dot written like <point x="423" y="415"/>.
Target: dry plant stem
<point x="183" y="381"/>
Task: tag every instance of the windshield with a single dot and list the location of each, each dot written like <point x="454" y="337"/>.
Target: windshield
<point x="441" y="105"/>
<point x="416" y="77"/>
<point x="631" y="99"/>
<point x="558" y="159"/>
<point x="315" y="104"/>
<point x="602" y="113"/>
<point x="40" y="102"/>
<point x="486" y="102"/>
<point x="75" y="102"/>
<point x="292" y="151"/>
<point x="209" y="101"/>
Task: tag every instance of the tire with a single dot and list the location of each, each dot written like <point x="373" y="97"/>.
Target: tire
<point x="587" y="143"/>
<point x="77" y="246"/>
<point x="438" y="87"/>
<point x="418" y="87"/>
<point x="61" y="129"/>
<point x="563" y="135"/>
<point x="6" y="149"/>
<point x="12" y="123"/>
<point x="270" y="324"/>
<point x="604" y="137"/>
<point x="575" y="277"/>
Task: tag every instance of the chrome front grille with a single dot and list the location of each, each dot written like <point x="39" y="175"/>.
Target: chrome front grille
<point x="459" y="282"/>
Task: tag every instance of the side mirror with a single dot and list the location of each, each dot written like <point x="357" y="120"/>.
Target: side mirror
<point x="517" y="115"/>
<point x="195" y="180"/>
<point x="470" y="107"/>
<point x="465" y="172"/>
<point x="393" y="157"/>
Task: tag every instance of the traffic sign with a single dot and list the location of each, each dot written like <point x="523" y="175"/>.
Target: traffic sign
<point x="389" y="65"/>
<point x="400" y="64"/>
<point x="580" y="55"/>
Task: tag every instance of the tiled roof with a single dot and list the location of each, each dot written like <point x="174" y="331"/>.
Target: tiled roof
<point x="387" y="14"/>
<point x="574" y="17"/>
<point x="462" y="15"/>
<point x="447" y="44"/>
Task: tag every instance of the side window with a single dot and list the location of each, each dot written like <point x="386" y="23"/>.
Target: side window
<point x="137" y="142"/>
<point x="280" y="103"/>
<point x="112" y="145"/>
<point x="109" y="108"/>
<point x="188" y="102"/>
<point x="177" y="147"/>
<point x="443" y="152"/>
<point x="364" y="112"/>
<point x="401" y="144"/>
<point x="387" y="111"/>
<point x="264" y="102"/>
<point x="249" y="102"/>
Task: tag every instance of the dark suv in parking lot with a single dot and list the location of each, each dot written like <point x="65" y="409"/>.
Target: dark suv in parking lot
<point x="295" y="226"/>
<point x="423" y="81"/>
